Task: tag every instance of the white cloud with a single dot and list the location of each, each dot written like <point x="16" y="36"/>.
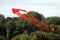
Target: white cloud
<point x="45" y="7"/>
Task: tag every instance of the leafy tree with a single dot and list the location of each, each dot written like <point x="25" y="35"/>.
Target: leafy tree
<point x="9" y="27"/>
<point x="2" y="18"/>
<point x="37" y="15"/>
<point x="21" y="37"/>
<point x="2" y="38"/>
<point x="53" y="20"/>
<point x="33" y="36"/>
<point x="19" y="29"/>
<point x="2" y="22"/>
<point x="57" y="29"/>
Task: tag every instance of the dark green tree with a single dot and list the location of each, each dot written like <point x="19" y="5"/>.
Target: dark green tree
<point x="2" y="18"/>
<point x="53" y="20"/>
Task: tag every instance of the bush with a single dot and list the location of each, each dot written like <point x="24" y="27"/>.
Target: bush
<point x="2" y="38"/>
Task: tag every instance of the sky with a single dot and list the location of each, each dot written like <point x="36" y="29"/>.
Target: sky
<point x="45" y="7"/>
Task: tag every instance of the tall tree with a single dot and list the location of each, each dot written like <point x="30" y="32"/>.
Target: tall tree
<point x="37" y="15"/>
<point x="2" y="18"/>
<point x="9" y="27"/>
<point x="53" y="20"/>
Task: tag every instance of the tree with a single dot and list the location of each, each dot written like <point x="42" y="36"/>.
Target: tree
<point x="23" y="36"/>
<point x="53" y="20"/>
<point x="2" y="38"/>
<point x="33" y="36"/>
<point x="9" y="27"/>
<point x="57" y="29"/>
<point x="37" y="15"/>
<point x="2" y="22"/>
<point x="2" y="18"/>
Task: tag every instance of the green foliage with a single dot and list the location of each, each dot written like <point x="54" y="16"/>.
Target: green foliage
<point x="2" y="38"/>
<point x="37" y="15"/>
<point x="33" y="36"/>
<point x="18" y="29"/>
<point x="57" y="36"/>
<point x="2" y="18"/>
<point x="1" y="24"/>
<point x="53" y="20"/>
<point x="21" y="37"/>
<point x="57" y="29"/>
<point x="25" y="36"/>
<point x="50" y="36"/>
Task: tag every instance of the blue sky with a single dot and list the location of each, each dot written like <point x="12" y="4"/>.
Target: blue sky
<point x="45" y="7"/>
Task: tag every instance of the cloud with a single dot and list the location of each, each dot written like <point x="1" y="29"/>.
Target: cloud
<point x="45" y="7"/>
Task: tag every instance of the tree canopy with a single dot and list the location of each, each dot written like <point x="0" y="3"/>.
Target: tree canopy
<point x="16" y="28"/>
